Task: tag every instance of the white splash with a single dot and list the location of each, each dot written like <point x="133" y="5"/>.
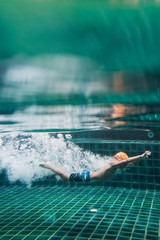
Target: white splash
<point x="21" y="154"/>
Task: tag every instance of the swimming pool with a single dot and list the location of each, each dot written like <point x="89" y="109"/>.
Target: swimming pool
<point x="37" y="205"/>
<point x="75" y="93"/>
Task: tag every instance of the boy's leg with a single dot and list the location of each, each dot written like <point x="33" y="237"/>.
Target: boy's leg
<point x="58" y="171"/>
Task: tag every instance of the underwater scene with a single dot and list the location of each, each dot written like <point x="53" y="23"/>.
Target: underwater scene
<point x="79" y="83"/>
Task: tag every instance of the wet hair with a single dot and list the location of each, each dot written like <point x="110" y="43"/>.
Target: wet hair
<point x="121" y="156"/>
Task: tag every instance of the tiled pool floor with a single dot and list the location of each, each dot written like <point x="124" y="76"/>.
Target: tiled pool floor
<point x="63" y="212"/>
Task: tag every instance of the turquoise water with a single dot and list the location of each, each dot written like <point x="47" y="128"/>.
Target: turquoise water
<point x="79" y="83"/>
<point x="77" y="125"/>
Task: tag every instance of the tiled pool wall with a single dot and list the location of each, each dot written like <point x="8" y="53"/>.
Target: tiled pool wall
<point x="144" y="174"/>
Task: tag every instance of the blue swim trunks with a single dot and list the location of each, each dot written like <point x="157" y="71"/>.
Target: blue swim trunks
<point x="83" y="176"/>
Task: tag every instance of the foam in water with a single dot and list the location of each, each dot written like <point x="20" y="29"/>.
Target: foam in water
<point x="21" y="154"/>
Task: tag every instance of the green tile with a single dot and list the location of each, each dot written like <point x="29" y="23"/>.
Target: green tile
<point x="18" y="237"/>
<point x="30" y="237"/>
<point x="6" y="237"/>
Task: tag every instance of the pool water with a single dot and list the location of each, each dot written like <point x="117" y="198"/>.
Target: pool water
<point x="35" y="204"/>
<point x="79" y="83"/>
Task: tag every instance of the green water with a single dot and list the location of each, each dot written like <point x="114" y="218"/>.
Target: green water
<point x="116" y="35"/>
<point x="79" y="81"/>
<point x="101" y="52"/>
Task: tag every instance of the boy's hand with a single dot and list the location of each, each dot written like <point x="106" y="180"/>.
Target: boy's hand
<point x="146" y="154"/>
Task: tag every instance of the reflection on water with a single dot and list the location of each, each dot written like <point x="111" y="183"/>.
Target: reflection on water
<point x="64" y="79"/>
<point x="53" y="93"/>
<point x="118" y="111"/>
<point x="86" y="117"/>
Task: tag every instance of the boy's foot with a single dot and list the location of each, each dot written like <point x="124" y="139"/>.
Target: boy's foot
<point x="46" y="165"/>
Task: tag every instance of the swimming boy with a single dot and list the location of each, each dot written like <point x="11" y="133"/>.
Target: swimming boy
<point x="120" y="160"/>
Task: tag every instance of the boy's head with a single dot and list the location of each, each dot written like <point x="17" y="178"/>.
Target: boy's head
<point x="120" y="156"/>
